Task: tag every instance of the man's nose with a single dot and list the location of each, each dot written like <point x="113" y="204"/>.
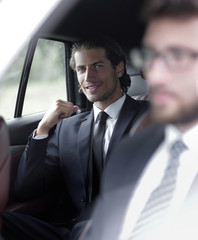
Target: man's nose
<point x="89" y="74"/>
<point x="157" y="73"/>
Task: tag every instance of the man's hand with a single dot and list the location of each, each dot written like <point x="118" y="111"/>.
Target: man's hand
<point x="59" y="110"/>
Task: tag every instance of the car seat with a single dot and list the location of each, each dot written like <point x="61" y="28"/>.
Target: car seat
<point x="4" y="167"/>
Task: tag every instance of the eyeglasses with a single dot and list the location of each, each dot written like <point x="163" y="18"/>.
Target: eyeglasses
<point x="175" y="59"/>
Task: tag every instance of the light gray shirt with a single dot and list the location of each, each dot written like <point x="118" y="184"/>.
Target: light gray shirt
<point x="153" y="174"/>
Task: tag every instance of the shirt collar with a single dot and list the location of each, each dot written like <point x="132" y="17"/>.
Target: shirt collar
<point x="112" y="110"/>
<point x="172" y="134"/>
<point x="190" y="137"/>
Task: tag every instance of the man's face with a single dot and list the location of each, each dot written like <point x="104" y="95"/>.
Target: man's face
<point x="173" y="91"/>
<point x="97" y="78"/>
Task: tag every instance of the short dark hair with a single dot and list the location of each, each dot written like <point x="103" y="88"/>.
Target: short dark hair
<point x="113" y="51"/>
<point x="169" y="8"/>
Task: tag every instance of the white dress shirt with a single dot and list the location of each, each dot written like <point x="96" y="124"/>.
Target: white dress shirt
<point x="153" y="174"/>
<point x="113" y="111"/>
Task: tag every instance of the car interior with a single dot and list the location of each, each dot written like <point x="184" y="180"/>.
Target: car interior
<point x="118" y="19"/>
<point x="4" y="167"/>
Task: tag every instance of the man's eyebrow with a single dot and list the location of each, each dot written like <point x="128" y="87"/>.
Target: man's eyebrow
<point x="78" y="66"/>
<point x="92" y="64"/>
<point x="95" y="63"/>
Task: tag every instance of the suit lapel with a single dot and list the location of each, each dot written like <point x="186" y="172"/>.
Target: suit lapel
<point x="116" y="208"/>
<point x="121" y="194"/>
<point x="120" y="187"/>
<point x="127" y="115"/>
<point x="84" y="142"/>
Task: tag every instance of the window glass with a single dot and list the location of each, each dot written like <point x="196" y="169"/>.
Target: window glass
<point x="9" y="85"/>
<point x="47" y="77"/>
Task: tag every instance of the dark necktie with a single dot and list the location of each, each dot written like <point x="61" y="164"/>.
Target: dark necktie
<point x="157" y="205"/>
<point x="98" y="160"/>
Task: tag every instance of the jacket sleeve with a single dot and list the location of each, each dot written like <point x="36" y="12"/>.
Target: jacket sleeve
<point x="39" y="169"/>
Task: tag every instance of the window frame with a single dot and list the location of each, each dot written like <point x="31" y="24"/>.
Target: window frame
<point x="69" y="78"/>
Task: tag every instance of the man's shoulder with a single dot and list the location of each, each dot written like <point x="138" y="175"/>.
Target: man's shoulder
<point x="140" y="143"/>
<point x="145" y="138"/>
<point x="131" y="155"/>
<point x="139" y="104"/>
<point x="155" y="131"/>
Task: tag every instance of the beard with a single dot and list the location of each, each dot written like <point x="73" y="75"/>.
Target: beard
<point x="103" y="97"/>
<point x="179" y="115"/>
<point x="107" y="94"/>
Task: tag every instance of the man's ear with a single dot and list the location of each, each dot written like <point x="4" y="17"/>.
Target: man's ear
<point x="120" y="69"/>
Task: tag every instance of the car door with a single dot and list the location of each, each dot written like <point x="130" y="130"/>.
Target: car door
<point x="42" y="80"/>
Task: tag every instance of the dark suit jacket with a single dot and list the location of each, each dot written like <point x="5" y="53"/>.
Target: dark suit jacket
<point x="119" y="181"/>
<point x="63" y="158"/>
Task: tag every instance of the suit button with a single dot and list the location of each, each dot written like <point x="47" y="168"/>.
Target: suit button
<point x="83" y="199"/>
<point x="73" y="220"/>
<point x="26" y="150"/>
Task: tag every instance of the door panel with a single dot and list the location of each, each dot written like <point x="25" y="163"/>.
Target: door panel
<point x="43" y="80"/>
<point x="20" y="128"/>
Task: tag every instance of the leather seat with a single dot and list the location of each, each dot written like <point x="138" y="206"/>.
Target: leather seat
<point x="138" y="89"/>
<point x="4" y="167"/>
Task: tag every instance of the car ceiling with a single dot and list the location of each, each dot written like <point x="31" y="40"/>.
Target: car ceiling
<point x="115" y="18"/>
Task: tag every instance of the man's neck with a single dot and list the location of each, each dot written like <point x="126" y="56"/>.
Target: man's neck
<point x="102" y="105"/>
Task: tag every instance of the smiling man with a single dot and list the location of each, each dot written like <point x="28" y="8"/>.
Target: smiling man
<point x="153" y="192"/>
<point x="97" y="78"/>
<point x="65" y="157"/>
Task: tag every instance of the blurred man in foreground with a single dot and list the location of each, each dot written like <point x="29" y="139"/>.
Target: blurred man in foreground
<point x="150" y="185"/>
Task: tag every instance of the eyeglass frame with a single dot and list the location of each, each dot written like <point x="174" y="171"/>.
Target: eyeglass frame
<point x="136" y="57"/>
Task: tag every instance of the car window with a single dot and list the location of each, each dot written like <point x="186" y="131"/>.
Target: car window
<point x="47" y="77"/>
<point x="46" y="82"/>
<point x="9" y="86"/>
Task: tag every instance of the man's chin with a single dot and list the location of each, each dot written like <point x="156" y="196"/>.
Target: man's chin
<point x="181" y="116"/>
<point x="92" y="99"/>
<point x="162" y="115"/>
